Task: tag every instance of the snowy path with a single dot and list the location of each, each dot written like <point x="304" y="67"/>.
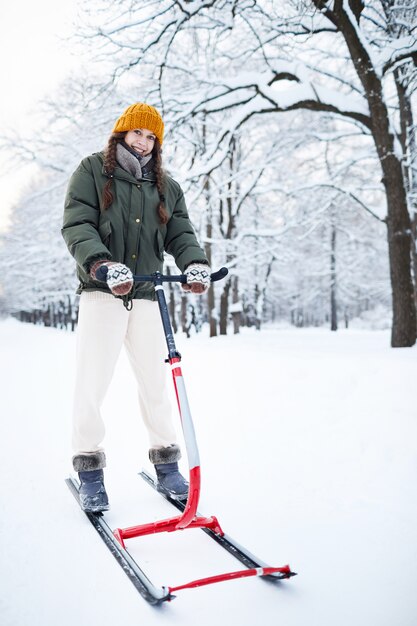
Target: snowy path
<point x="319" y="428"/>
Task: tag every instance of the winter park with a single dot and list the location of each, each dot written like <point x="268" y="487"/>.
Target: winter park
<point x="208" y="296"/>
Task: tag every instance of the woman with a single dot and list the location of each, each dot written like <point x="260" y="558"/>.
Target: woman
<point x="123" y="212"/>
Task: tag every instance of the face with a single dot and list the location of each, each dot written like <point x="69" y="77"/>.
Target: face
<point x="141" y="140"/>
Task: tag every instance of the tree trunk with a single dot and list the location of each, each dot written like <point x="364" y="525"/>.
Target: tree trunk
<point x="333" y="277"/>
<point x="409" y="147"/>
<point x="224" y="308"/>
<point x="237" y="312"/>
<point x="414" y="236"/>
<point x="403" y="332"/>
<point x="399" y="245"/>
<point x="184" y="321"/>
<point x="211" y="301"/>
<point x="257" y="295"/>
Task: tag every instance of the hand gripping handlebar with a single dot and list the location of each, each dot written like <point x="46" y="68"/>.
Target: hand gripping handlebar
<point x="157" y="278"/>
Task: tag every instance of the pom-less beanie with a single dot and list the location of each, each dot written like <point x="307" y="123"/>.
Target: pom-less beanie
<point x="141" y="115"/>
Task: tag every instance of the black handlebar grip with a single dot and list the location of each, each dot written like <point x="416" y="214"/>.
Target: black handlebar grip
<point x="101" y="273"/>
<point x="221" y="273"/>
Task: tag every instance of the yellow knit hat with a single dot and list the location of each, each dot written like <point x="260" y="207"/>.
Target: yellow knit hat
<point x="141" y="115"/>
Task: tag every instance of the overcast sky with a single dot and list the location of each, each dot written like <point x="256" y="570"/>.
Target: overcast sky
<point x="33" y="61"/>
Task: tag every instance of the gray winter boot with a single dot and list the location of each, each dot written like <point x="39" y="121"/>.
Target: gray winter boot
<point x="170" y="481"/>
<point x="92" y="492"/>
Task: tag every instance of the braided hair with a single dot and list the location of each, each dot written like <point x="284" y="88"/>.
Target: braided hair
<point x="110" y="164"/>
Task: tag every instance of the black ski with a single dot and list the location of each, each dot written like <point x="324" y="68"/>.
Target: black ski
<point x="153" y="595"/>
<point x="226" y="542"/>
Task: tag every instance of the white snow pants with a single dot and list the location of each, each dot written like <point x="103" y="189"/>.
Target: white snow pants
<point x="104" y="325"/>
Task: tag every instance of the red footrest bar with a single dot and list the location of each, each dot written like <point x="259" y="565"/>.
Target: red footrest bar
<point x="258" y="571"/>
<point x="168" y="525"/>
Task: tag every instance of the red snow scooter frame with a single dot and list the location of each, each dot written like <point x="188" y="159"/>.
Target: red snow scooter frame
<point x="189" y="517"/>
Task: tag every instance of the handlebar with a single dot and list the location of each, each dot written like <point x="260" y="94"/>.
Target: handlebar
<point x="157" y="278"/>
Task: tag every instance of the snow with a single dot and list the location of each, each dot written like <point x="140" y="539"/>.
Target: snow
<point x="393" y="51"/>
<point x="308" y="444"/>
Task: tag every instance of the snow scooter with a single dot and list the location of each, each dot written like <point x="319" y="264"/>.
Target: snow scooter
<point x="189" y="517"/>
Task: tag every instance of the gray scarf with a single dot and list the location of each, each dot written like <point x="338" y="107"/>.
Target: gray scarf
<point x="130" y="162"/>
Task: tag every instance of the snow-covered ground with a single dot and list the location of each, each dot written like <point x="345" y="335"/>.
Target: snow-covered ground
<point x="308" y="444"/>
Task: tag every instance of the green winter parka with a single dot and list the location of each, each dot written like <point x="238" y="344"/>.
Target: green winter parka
<point x="128" y="231"/>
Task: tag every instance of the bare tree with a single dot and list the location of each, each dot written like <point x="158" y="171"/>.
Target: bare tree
<point x="328" y="57"/>
<point x="277" y="80"/>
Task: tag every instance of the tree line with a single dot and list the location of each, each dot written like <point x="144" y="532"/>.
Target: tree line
<point x="290" y="126"/>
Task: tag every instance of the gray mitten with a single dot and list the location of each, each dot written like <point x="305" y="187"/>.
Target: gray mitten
<point x="198" y="278"/>
<point x="119" y="277"/>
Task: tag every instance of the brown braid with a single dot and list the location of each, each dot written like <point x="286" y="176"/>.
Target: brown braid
<point x="109" y="167"/>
